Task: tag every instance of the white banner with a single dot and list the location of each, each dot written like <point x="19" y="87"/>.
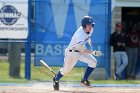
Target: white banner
<point x="13" y="19"/>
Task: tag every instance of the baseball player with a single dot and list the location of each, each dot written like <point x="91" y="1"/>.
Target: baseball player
<point x="76" y="51"/>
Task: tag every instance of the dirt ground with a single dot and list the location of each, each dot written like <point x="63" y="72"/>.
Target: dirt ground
<point x="47" y="88"/>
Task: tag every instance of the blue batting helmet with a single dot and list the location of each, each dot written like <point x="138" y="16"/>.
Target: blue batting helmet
<point x="87" y="20"/>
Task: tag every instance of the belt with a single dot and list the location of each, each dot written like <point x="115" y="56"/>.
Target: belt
<point x="74" y="51"/>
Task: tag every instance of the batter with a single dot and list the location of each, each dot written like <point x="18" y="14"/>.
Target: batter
<point x="76" y="51"/>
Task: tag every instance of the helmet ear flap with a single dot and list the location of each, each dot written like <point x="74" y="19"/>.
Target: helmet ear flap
<point x="84" y="26"/>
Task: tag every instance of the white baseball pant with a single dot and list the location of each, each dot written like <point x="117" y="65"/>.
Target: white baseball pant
<point x="71" y="59"/>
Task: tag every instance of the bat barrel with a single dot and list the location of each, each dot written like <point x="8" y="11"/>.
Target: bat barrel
<point x="45" y="64"/>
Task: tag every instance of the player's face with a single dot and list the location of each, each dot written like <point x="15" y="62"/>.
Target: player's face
<point x="89" y="27"/>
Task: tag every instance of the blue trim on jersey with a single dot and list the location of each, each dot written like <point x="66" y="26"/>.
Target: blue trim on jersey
<point x="87" y="38"/>
<point x="80" y="42"/>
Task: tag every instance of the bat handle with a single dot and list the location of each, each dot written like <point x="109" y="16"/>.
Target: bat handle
<point x="53" y="73"/>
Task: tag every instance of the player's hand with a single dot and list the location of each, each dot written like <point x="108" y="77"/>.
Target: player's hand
<point x="96" y="53"/>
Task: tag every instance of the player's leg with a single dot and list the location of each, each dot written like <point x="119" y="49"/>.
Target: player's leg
<point x="69" y="62"/>
<point x="92" y="62"/>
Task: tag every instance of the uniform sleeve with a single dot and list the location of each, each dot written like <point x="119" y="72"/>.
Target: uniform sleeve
<point x="80" y="38"/>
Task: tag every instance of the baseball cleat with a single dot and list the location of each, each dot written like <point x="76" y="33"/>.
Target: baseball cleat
<point x="85" y="83"/>
<point x="55" y="84"/>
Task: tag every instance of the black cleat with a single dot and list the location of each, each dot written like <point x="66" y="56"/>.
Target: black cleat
<point x="85" y="83"/>
<point x="55" y="84"/>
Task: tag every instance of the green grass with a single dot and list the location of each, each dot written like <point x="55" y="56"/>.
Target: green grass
<point x="43" y="74"/>
<point x="38" y="73"/>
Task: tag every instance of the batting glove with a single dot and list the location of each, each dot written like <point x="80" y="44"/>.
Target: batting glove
<point x="96" y="53"/>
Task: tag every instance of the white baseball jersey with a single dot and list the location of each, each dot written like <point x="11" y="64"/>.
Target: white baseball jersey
<point x="79" y="36"/>
<point x="71" y="56"/>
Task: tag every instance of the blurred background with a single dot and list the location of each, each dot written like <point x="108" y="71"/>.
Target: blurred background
<point x="31" y="30"/>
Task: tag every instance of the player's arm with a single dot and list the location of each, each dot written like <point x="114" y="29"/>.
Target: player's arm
<point x="81" y="46"/>
<point x="95" y="53"/>
<point x="83" y="50"/>
<point x="86" y="51"/>
<point x="90" y="42"/>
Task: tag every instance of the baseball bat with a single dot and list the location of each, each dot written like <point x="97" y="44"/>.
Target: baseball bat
<point x="46" y="65"/>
